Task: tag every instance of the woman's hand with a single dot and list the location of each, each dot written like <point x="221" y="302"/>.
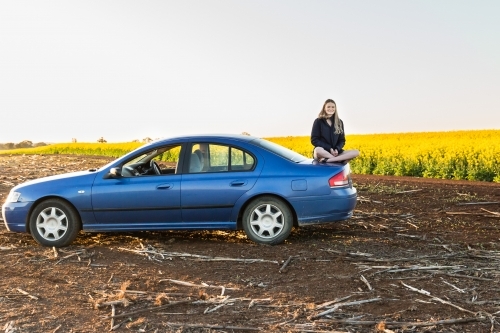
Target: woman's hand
<point x="334" y="152"/>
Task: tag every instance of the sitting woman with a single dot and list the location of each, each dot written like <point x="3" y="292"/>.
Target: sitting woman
<point x="327" y="136"/>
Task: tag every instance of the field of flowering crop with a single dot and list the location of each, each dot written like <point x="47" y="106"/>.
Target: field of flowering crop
<point x="470" y="155"/>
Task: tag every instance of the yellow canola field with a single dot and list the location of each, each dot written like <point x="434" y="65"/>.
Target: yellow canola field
<point x="470" y="155"/>
<point x="79" y="148"/>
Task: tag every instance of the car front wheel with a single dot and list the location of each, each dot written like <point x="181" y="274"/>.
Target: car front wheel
<point x="267" y="220"/>
<point x="55" y="223"/>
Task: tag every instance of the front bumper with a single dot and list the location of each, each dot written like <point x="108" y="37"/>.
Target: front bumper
<point x="15" y="215"/>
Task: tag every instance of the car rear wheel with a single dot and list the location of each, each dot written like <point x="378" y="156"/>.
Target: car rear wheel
<point x="55" y="223"/>
<point x="267" y="220"/>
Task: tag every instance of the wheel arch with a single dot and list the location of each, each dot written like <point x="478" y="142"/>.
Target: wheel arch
<point x="40" y="200"/>
<point x="239" y="221"/>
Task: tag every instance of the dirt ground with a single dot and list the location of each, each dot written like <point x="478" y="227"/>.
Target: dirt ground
<point x="419" y="255"/>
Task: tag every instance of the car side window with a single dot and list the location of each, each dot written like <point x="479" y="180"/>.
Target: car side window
<point x="168" y="160"/>
<point x="157" y="162"/>
<point x="241" y="160"/>
<point x="208" y="157"/>
<point x="219" y="157"/>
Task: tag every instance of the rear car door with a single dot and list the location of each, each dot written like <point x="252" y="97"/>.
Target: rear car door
<point x="215" y="177"/>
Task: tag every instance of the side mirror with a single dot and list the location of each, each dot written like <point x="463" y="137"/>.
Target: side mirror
<point x="114" y="173"/>
<point x="117" y="172"/>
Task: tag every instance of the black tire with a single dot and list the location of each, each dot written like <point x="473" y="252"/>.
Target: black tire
<point x="54" y="222"/>
<point x="267" y="220"/>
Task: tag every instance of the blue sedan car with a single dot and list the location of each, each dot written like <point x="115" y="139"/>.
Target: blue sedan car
<point x="191" y="182"/>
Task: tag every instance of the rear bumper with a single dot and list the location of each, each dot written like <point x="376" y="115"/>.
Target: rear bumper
<point x="15" y="215"/>
<point x="338" y="206"/>
<point x="332" y="218"/>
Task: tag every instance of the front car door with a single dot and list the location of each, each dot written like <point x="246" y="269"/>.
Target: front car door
<point x="140" y="197"/>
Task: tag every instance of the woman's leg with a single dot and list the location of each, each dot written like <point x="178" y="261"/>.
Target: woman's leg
<point x="346" y="155"/>
<point x="320" y="153"/>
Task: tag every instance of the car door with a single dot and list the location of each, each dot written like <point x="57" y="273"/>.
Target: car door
<point x="215" y="177"/>
<point x="134" y="201"/>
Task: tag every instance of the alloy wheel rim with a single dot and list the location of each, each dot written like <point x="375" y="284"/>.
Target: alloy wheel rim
<point x="267" y="221"/>
<point x="52" y="223"/>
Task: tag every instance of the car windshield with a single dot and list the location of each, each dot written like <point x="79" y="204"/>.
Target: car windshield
<point x="280" y="150"/>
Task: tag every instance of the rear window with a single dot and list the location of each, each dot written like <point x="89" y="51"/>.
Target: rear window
<point x="280" y="150"/>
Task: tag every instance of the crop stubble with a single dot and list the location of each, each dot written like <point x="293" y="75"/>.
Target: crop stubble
<point x="419" y="255"/>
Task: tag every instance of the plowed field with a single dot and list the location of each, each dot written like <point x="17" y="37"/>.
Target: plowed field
<point x="419" y="255"/>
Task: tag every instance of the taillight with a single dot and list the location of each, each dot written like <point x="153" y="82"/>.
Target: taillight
<point x="341" y="178"/>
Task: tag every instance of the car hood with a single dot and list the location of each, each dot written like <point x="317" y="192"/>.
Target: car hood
<point x="76" y="177"/>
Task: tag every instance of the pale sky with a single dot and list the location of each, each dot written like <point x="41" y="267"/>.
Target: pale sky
<point x="128" y="70"/>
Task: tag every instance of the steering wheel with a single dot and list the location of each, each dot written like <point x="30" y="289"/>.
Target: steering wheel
<point x="155" y="167"/>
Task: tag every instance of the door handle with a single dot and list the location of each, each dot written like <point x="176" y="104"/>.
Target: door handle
<point x="238" y="182"/>
<point x="164" y="186"/>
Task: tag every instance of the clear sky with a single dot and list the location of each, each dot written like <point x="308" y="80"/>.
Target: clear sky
<point x="128" y="70"/>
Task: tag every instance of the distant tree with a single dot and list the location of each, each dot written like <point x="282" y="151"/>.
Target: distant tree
<point x="73" y="140"/>
<point x="101" y="140"/>
<point x="9" y="145"/>
<point x="136" y="140"/>
<point x="147" y="140"/>
<point x="24" y="144"/>
<point x="39" y="144"/>
<point x="245" y="133"/>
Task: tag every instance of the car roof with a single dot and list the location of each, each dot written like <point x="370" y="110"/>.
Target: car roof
<point x="202" y="137"/>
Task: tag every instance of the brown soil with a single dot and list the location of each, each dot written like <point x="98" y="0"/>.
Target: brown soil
<point x="436" y="236"/>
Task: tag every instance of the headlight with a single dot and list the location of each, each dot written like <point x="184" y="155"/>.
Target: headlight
<point x="13" y="197"/>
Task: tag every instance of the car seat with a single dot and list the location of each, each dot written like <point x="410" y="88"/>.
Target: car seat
<point x="196" y="162"/>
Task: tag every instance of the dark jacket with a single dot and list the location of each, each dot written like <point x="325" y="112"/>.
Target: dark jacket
<point x="323" y="135"/>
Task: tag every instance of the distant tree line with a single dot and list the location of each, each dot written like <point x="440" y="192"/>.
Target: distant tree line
<point x="22" y="144"/>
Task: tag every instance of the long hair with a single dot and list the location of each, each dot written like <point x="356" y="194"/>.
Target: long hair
<point x="336" y="120"/>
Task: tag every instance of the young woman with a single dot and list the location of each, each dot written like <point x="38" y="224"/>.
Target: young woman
<point x="327" y="136"/>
